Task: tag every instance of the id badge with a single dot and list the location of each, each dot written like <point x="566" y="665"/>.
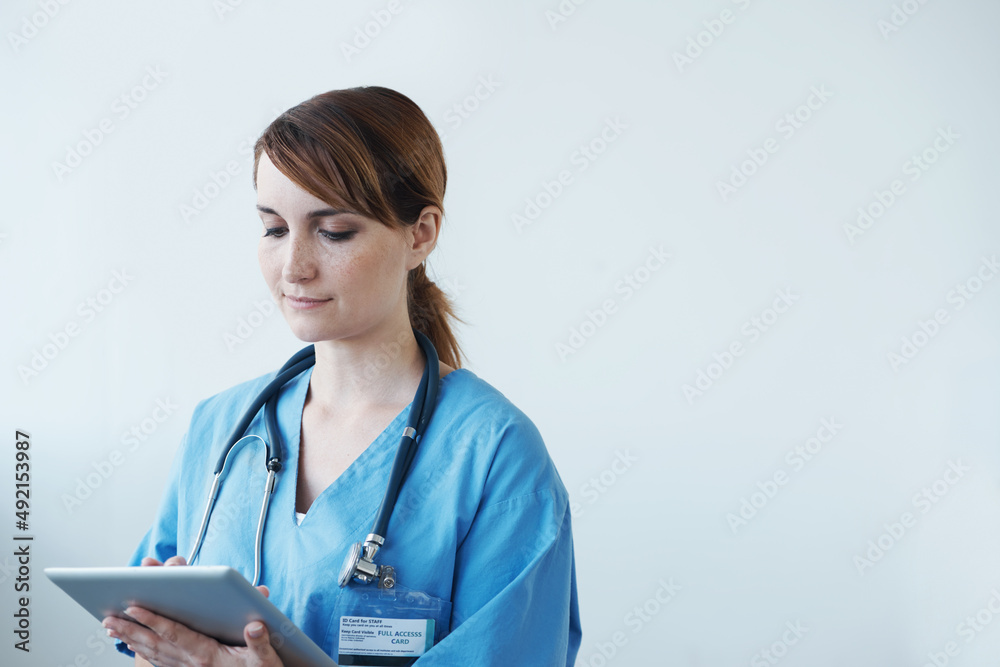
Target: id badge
<point x="378" y="627"/>
<point x="368" y="640"/>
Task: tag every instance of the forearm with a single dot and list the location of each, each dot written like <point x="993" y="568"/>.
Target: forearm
<point x="139" y="662"/>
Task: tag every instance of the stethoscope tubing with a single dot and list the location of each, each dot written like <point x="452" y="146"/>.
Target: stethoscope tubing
<point x="274" y="449"/>
<point x="421" y="409"/>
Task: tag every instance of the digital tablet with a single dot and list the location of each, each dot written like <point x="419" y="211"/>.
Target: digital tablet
<point x="214" y="600"/>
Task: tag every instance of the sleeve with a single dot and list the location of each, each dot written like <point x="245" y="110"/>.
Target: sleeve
<point x="514" y="599"/>
<point x="160" y="541"/>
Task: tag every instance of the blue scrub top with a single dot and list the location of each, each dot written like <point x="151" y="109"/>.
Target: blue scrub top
<point x="481" y="525"/>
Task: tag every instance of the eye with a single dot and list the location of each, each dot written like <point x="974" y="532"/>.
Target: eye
<point x="338" y="236"/>
<point x="275" y="231"/>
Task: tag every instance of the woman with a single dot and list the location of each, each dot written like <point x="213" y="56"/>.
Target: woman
<point x="350" y="187"/>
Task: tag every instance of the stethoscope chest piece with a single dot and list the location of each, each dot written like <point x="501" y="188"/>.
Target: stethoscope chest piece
<point x="350" y="564"/>
<point x="360" y="564"/>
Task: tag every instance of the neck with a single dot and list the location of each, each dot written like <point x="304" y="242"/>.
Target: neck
<point x="381" y="369"/>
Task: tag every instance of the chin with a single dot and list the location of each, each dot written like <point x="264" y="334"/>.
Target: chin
<point x="307" y="332"/>
<point x="310" y="335"/>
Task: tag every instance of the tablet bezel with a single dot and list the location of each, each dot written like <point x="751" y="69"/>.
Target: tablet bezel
<point x="214" y="600"/>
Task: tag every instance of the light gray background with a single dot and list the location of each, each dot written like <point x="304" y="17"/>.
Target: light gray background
<point x="661" y="518"/>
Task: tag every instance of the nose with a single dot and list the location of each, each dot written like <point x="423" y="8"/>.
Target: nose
<point x="300" y="260"/>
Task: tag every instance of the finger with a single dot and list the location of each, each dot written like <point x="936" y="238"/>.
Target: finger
<point x="164" y="642"/>
<point x="140" y="640"/>
<point x="265" y="591"/>
<point x="167" y="640"/>
<point x="159" y="625"/>
<point x="259" y="643"/>
<point x="108" y="622"/>
<point x="175" y="560"/>
<point x="147" y="561"/>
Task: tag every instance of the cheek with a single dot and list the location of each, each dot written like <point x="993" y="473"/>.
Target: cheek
<point x="269" y="266"/>
<point x="371" y="270"/>
<point x="353" y="276"/>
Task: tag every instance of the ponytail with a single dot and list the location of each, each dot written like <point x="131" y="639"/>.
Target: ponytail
<point x="430" y="312"/>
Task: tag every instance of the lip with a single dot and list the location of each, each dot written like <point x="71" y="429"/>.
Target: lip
<point x="304" y="302"/>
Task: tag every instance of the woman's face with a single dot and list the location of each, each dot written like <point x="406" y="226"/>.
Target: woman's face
<point x="333" y="274"/>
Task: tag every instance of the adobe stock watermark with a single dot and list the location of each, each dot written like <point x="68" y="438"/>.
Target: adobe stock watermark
<point x="562" y="12"/>
<point x="594" y="488"/>
<point x="8" y="569"/>
<point x="230" y="511"/>
<point x="451" y="286"/>
<point x="223" y="8"/>
<point x="388" y="352"/>
<point x="461" y="111"/>
<point x="585" y="155"/>
<point x="219" y="179"/>
<point x="627" y="286"/>
<point x="32" y="24"/>
<point x="636" y="620"/>
<point x="751" y="330"/>
<point x="779" y="648"/>
<point x="786" y="126"/>
<point x="366" y="34"/>
<point x="924" y="501"/>
<point x="698" y="43"/>
<point x="914" y="167"/>
<point x="88" y="310"/>
<point x="248" y="324"/>
<point x="104" y="468"/>
<point x="796" y="458"/>
<point x="899" y="17"/>
<point x="97" y="642"/>
<point x="967" y="630"/>
<point x="377" y="365"/>
<point x="423" y="481"/>
<point x="121" y="108"/>
<point x="927" y="330"/>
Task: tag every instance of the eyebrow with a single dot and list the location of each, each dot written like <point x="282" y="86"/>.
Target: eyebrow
<point x="319" y="213"/>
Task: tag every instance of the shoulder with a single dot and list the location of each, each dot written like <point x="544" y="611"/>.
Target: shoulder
<point x="467" y="397"/>
<point x="235" y="398"/>
<point x="502" y="444"/>
<point x="214" y="417"/>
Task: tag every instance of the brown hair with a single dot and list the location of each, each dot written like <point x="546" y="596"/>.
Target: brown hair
<point x="375" y="150"/>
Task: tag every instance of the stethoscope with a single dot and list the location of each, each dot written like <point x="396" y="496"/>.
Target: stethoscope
<point x="359" y="564"/>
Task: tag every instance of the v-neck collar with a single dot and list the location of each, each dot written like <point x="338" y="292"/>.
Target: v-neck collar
<point x="361" y="468"/>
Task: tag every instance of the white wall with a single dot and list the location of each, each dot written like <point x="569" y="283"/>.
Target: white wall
<point x="685" y="462"/>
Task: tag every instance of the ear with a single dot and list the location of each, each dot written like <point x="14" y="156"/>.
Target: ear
<point x="421" y="236"/>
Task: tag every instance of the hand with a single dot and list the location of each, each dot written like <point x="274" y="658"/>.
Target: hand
<point x="167" y="643"/>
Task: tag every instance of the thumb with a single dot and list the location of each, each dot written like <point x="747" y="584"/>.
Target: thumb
<point x="258" y="641"/>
